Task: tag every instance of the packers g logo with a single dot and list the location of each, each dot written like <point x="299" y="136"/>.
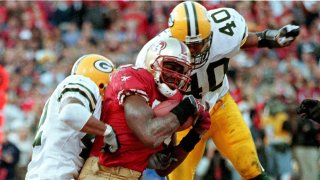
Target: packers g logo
<point x="103" y="66"/>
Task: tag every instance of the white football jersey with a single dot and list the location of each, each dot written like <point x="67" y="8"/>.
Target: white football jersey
<point x="210" y="81"/>
<point x="58" y="150"/>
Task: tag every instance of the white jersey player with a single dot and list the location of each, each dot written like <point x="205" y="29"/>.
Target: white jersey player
<point x="208" y="78"/>
<point x="213" y="37"/>
<point x="69" y="120"/>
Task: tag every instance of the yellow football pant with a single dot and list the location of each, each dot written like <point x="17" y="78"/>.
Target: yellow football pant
<point x="231" y="136"/>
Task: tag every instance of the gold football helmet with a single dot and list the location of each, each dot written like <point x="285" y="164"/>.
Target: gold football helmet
<point x="189" y="22"/>
<point x="169" y="60"/>
<point x="96" y="67"/>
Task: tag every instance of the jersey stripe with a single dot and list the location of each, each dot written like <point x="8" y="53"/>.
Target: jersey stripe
<point x="84" y="91"/>
<point x="244" y="37"/>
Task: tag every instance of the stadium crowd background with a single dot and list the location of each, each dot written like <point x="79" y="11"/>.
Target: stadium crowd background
<point x="40" y="40"/>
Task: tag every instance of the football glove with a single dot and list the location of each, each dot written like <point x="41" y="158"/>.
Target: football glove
<point x="278" y="38"/>
<point x="203" y="120"/>
<point x="111" y="143"/>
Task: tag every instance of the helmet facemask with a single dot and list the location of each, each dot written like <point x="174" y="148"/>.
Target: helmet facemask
<point x="171" y="74"/>
<point x="199" y="49"/>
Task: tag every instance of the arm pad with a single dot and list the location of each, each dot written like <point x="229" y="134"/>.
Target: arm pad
<point x="74" y="115"/>
<point x="267" y="38"/>
<point x="184" y="109"/>
<point x="190" y="140"/>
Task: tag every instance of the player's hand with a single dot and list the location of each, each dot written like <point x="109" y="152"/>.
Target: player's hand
<point x="287" y="35"/>
<point x="111" y="141"/>
<point x="160" y="161"/>
<point x="203" y="120"/>
<point x="194" y="102"/>
<point x="310" y="109"/>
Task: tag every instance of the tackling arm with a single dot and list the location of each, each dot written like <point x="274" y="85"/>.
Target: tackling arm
<point x="75" y="115"/>
<point x="272" y="38"/>
<point x="168" y="159"/>
<point x="84" y="121"/>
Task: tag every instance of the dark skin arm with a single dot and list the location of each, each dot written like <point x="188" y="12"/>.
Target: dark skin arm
<point x="252" y="41"/>
<point x="93" y="126"/>
<point x="151" y="131"/>
<point x="179" y="154"/>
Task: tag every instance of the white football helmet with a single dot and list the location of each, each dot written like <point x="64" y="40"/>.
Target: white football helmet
<point x="169" y="60"/>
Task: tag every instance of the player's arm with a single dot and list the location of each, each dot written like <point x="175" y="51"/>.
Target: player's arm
<point x="77" y="116"/>
<point x="172" y="157"/>
<point x="89" y="124"/>
<point x="152" y="131"/>
<point x="272" y="38"/>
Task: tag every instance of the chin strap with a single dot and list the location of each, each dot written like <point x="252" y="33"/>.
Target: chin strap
<point x="165" y="90"/>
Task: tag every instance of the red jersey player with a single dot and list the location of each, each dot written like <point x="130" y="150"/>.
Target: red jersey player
<point x="129" y="99"/>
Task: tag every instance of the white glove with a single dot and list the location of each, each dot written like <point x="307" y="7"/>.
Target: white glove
<point x="110" y="140"/>
<point x="287" y="34"/>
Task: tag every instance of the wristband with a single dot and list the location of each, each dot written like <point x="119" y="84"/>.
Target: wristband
<point x="108" y="130"/>
<point x="267" y="38"/>
<point x="183" y="110"/>
<point x="190" y="140"/>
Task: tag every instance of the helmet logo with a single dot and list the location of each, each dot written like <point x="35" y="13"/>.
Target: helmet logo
<point x="159" y="46"/>
<point x="171" y="20"/>
<point x="103" y="66"/>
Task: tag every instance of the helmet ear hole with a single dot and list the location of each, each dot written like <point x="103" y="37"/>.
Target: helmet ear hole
<point x="101" y="86"/>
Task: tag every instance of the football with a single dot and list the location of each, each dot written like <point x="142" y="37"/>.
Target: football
<point x="165" y="107"/>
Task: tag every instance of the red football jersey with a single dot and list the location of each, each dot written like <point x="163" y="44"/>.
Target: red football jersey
<point x="125" y="82"/>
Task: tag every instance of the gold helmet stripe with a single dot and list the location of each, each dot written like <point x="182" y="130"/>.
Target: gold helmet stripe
<point x="192" y="21"/>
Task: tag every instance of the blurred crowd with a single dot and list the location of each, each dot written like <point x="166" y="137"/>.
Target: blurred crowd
<point x="40" y="40"/>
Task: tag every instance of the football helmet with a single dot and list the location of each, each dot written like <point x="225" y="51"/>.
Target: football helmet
<point x="96" y="67"/>
<point x="189" y="22"/>
<point x="169" y="60"/>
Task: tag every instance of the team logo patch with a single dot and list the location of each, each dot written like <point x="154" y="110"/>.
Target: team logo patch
<point x="103" y="66"/>
<point x="159" y="46"/>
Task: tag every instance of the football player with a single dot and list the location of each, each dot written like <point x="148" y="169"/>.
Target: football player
<point x="129" y="99"/>
<point x="310" y="109"/>
<point x="69" y="120"/>
<point x="214" y="37"/>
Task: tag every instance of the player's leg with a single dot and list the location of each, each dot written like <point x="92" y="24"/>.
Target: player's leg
<point x="233" y="138"/>
<point x="186" y="170"/>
